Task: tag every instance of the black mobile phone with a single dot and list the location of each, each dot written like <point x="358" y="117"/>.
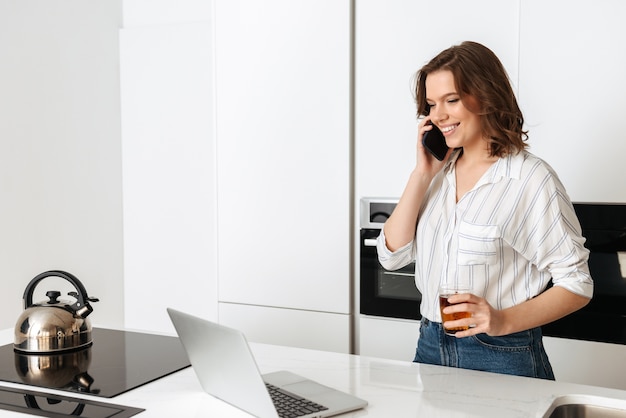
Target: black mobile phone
<point x="435" y="143"/>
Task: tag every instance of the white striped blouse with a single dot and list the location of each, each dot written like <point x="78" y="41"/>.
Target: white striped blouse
<point x="509" y="235"/>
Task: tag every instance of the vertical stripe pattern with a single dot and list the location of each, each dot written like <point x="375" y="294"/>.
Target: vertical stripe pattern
<point x="512" y="233"/>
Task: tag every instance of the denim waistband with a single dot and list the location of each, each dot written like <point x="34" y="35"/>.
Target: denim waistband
<point x="427" y="321"/>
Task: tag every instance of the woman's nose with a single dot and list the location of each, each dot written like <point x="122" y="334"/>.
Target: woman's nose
<point x="439" y="115"/>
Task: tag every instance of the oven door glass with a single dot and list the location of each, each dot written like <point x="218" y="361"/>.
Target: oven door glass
<point x="399" y="284"/>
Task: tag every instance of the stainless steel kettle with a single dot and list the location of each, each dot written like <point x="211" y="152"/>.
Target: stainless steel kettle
<point x="54" y="325"/>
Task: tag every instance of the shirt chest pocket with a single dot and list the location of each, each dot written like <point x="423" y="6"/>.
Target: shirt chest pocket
<point x="478" y="244"/>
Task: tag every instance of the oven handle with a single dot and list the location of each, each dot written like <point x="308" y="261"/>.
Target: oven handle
<point x="370" y="242"/>
<point x="396" y="273"/>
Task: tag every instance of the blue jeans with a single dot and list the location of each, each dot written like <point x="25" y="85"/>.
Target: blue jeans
<point x="520" y="354"/>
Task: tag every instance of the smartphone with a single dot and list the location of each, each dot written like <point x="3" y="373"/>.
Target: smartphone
<point x="435" y="143"/>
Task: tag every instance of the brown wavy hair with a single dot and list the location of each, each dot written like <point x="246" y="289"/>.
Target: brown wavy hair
<point x="478" y="73"/>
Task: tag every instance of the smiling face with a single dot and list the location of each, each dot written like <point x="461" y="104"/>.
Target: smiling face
<point x="460" y="126"/>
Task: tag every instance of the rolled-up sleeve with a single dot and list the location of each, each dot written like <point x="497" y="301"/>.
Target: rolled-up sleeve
<point x="565" y="255"/>
<point x="576" y="279"/>
<point x="394" y="260"/>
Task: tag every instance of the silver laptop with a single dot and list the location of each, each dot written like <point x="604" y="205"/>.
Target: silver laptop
<point x="226" y="368"/>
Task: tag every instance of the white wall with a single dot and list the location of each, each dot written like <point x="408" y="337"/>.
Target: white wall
<point x="60" y="162"/>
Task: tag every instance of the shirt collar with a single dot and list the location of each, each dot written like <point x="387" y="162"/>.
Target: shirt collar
<point x="509" y="166"/>
<point x="452" y="160"/>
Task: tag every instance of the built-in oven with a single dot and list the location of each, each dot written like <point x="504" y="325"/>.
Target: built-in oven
<point x="383" y="293"/>
<point x="393" y="293"/>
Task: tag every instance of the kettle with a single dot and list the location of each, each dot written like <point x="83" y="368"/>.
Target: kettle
<point x="54" y="325"/>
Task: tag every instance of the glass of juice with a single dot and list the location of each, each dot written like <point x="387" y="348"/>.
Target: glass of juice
<point x="445" y="291"/>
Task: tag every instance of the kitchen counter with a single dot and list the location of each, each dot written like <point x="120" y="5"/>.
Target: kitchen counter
<point x="392" y="388"/>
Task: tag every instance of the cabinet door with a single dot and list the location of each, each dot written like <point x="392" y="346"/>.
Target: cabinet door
<point x="394" y="39"/>
<point x="283" y="175"/>
<point x="168" y="173"/>
<point x="587" y="362"/>
<point x="572" y="93"/>
<point x="292" y="327"/>
<point x="388" y="338"/>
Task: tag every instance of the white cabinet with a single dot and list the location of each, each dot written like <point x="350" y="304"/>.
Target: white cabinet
<point x="168" y="173"/>
<point x="293" y="327"/>
<point x="283" y="144"/>
<point x="388" y="337"/>
<point x="587" y="362"/>
<point x="572" y="87"/>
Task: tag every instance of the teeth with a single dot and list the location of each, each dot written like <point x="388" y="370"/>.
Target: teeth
<point x="448" y="128"/>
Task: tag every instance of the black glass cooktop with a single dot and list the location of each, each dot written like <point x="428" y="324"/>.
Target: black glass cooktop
<point x="116" y="362"/>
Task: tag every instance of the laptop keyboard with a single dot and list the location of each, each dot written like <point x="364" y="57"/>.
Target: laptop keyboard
<point x="289" y="405"/>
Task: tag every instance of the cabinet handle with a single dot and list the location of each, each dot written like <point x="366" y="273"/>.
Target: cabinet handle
<point x="370" y="242"/>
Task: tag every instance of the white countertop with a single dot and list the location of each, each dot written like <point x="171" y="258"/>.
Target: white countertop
<point x="392" y="388"/>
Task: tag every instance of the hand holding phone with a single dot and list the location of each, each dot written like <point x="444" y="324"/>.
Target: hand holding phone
<point x="435" y="142"/>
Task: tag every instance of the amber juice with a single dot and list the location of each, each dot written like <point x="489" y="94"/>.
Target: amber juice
<point x="443" y="302"/>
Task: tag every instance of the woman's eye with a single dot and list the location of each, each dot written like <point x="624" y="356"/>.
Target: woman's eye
<point x="453" y="100"/>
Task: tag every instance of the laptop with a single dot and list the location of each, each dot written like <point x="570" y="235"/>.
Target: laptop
<point x="225" y="366"/>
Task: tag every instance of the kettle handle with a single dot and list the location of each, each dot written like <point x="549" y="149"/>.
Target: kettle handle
<point x="81" y="307"/>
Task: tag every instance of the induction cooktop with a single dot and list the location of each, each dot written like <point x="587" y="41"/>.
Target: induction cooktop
<point x="116" y="362"/>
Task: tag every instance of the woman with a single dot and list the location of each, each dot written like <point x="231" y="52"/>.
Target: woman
<point x="491" y="213"/>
